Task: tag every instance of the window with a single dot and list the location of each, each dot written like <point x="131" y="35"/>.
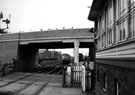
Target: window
<point x="115" y="19"/>
<point x="103" y="30"/>
<point x="131" y="18"/>
<point x="116" y="87"/>
<point x="98" y="76"/>
<point x="110" y="22"/>
<point x="106" y="25"/>
<point x="104" y="81"/>
<point x="116" y="12"/>
<point x="123" y="20"/>
<point x="116" y="22"/>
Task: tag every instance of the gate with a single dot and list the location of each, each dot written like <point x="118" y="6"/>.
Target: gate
<point x="76" y="76"/>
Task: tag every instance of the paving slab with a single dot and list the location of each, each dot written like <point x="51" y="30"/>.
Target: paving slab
<point x="61" y="91"/>
<point x="30" y="90"/>
<point x="53" y="88"/>
<point x="71" y="91"/>
<point x="24" y="81"/>
<point x="46" y="91"/>
<point x="12" y="87"/>
<point x="2" y="83"/>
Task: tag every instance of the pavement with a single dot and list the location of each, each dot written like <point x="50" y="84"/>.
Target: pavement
<point x="32" y="84"/>
<point x="61" y="91"/>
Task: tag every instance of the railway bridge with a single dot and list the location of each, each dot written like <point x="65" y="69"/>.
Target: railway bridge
<point x="24" y="46"/>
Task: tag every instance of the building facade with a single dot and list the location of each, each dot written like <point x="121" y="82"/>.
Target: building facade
<point x="115" y="46"/>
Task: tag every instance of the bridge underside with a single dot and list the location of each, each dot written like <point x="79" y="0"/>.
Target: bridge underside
<point x="59" y="45"/>
<point x="28" y="53"/>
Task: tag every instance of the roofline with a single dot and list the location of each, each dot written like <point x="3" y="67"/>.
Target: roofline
<point x="96" y="8"/>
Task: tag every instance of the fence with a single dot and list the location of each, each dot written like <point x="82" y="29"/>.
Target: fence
<point x="77" y="76"/>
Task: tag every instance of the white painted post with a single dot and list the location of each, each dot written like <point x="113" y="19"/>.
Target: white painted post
<point x="68" y="76"/>
<point x="76" y="52"/>
<point x="83" y="78"/>
<point x="91" y="65"/>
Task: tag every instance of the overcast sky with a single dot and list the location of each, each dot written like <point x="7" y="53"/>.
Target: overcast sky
<point x="33" y="15"/>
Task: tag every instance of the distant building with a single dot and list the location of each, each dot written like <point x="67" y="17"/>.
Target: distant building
<point x="115" y="40"/>
<point x="50" y="55"/>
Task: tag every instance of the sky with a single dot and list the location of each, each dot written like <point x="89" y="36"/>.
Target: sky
<point x="33" y="15"/>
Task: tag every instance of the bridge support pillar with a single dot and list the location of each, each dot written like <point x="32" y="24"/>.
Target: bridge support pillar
<point x="28" y="58"/>
<point x="76" y="52"/>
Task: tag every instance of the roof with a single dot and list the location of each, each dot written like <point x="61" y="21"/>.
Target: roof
<point x="97" y="6"/>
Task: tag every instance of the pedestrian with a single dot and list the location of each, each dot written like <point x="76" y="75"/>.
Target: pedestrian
<point x="91" y="67"/>
<point x="3" y="69"/>
<point x="14" y="65"/>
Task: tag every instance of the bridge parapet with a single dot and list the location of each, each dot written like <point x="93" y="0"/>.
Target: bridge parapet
<point x="9" y="37"/>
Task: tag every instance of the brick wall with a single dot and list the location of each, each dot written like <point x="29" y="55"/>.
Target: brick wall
<point x="124" y="76"/>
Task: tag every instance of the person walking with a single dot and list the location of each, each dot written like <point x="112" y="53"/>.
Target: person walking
<point x="3" y="69"/>
<point x="14" y="65"/>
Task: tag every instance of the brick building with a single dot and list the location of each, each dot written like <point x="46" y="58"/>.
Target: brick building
<point x="115" y="46"/>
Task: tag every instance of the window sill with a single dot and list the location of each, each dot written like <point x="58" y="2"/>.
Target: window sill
<point x="104" y="89"/>
<point x="122" y="40"/>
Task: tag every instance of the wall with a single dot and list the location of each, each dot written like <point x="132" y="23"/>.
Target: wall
<point x="8" y="47"/>
<point x="125" y="77"/>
